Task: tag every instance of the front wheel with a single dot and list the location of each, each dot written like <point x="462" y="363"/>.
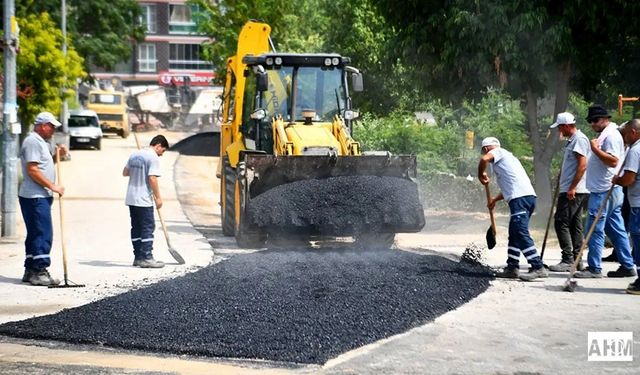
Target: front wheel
<point x="378" y="241"/>
<point x="227" y="198"/>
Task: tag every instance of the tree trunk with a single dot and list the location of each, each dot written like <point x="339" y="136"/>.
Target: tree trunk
<point x="544" y="148"/>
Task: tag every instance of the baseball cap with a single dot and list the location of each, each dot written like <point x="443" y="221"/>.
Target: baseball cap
<point x="563" y="119"/>
<point x="490" y="141"/>
<point x="47" y="117"/>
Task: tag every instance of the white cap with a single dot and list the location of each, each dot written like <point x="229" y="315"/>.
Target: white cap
<point x="490" y="141"/>
<point x="47" y="118"/>
<point x="562" y="119"/>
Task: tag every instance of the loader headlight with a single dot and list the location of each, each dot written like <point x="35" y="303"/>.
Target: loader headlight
<point x="269" y="61"/>
<point x="278" y="60"/>
<point x="351" y="115"/>
<point x="335" y="61"/>
<point x="327" y="61"/>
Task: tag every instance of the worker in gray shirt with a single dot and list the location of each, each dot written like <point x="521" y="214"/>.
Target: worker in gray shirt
<point x="36" y="197"/>
<point x="603" y="163"/>
<point x="143" y="170"/>
<point x="572" y="190"/>
<point x="631" y="179"/>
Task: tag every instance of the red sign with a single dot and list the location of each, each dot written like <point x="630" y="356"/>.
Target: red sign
<point x="179" y="79"/>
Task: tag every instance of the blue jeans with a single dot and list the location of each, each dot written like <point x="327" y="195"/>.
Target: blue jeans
<point x="520" y="240"/>
<point x="142" y="226"/>
<point x="36" y="213"/>
<point x="634" y="229"/>
<point x="612" y="224"/>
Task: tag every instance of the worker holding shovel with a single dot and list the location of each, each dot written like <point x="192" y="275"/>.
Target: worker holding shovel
<point x="36" y="197"/>
<point x="517" y="190"/>
<point x="143" y="170"/>
<point x="629" y="178"/>
<point x="573" y="193"/>
<point x="607" y="151"/>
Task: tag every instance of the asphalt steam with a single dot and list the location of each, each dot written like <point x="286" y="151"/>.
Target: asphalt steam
<point x="302" y="306"/>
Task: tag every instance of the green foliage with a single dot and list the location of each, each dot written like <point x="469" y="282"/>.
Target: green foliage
<point x="294" y="26"/>
<point x="100" y="30"/>
<point x="43" y="72"/>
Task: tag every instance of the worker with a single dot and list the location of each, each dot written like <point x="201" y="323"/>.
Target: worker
<point x="572" y="191"/>
<point x="36" y="196"/>
<point x="605" y="160"/>
<point x="516" y="189"/>
<point x="143" y="170"/>
<point x="629" y="179"/>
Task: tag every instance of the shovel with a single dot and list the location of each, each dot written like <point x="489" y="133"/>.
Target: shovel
<point x="491" y="232"/>
<point x="553" y="205"/>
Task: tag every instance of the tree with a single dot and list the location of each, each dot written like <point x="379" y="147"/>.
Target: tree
<point x="100" y="30"/>
<point x="532" y="49"/>
<point x="295" y="26"/>
<point x="43" y="72"/>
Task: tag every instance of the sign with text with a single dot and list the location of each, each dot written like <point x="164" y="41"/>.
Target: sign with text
<point x="190" y="79"/>
<point x="610" y="346"/>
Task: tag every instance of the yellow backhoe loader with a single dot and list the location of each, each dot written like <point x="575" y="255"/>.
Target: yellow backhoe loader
<point x="288" y="164"/>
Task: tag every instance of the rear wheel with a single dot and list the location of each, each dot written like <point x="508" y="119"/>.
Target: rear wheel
<point x="227" y="195"/>
<point x="379" y="241"/>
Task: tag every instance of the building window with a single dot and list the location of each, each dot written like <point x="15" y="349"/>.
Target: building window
<point x="187" y="56"/>
<point x="181" y="19"/>
<point x="148" y="18"/>
<point x="147" y="57"/>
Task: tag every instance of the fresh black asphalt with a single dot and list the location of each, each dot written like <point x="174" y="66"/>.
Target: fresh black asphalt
<point x="340" y="205"/>
<point x="300" y="305"/>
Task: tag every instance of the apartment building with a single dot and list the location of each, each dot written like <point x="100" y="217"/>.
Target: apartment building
<point x="171" y="52"/>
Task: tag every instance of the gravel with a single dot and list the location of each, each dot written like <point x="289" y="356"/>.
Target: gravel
<point x="340" y="205"/>
<point x="300" y="305"/>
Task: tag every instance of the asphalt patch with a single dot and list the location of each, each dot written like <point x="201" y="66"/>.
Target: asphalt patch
<point x="340" y="205"/>
<point x="200" y="144"/>
<point x="301" y="306"/>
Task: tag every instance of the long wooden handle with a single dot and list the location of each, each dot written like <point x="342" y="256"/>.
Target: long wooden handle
<point x="61" y="209"/>
<point x="164" y="227"/>
<point x="493" y="219"/>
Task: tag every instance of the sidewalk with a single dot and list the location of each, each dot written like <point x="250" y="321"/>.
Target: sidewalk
<point x="96" y="231"/>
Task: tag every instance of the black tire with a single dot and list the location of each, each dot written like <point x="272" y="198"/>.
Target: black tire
<point x="247" y="235"/>
<point x="99" y="144"/>
<point x="379" y="241"/>
<point x="227" y="195"/>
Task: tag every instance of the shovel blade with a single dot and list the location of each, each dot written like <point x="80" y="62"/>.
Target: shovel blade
<point x="176" y="255"/>
<point x="491" y="238"/>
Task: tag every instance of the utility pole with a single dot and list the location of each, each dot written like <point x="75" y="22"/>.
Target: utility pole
<point x="65" y="107"/>
<point x="11" y="125"/>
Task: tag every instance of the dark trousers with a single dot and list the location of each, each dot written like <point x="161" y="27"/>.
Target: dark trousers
<point x="520" y="240"/>
<point x="568" y="224"/>
<point x="36" y="213"/>
<point x="142" y="226"/>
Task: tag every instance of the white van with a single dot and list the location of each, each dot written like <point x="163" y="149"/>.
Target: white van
<point x="84" y="129"/>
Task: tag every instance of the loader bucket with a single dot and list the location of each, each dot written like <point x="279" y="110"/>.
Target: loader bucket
<point x="333" y="196"/>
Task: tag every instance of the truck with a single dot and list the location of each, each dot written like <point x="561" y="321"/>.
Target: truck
<point x="289" y="166"/>
<point x="112" y="110"/>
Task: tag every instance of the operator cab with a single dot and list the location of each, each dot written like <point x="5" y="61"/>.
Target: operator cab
<point x="301" y="89"/>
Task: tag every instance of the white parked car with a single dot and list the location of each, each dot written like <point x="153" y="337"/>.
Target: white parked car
<point x="84" y="129"/>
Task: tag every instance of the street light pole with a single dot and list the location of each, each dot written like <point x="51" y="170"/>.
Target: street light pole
<point x="11" y="125"/>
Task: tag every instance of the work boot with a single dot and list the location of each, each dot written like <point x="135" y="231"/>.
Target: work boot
<point x="535" y="273"/>
<point x="148" y="263"/>
<point x="587" y="273"/>
<point x="564" y="266"/>
<point x="27" y="275"/>
<point x="507" y="273"/>
<point x="42" y="278"/>
<point x="623" y="272"/>
<point x="635" y="284"/>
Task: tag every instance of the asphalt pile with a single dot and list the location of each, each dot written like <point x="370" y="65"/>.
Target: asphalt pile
<point x="301" y="306"/>
<point x="340" y="205"/>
